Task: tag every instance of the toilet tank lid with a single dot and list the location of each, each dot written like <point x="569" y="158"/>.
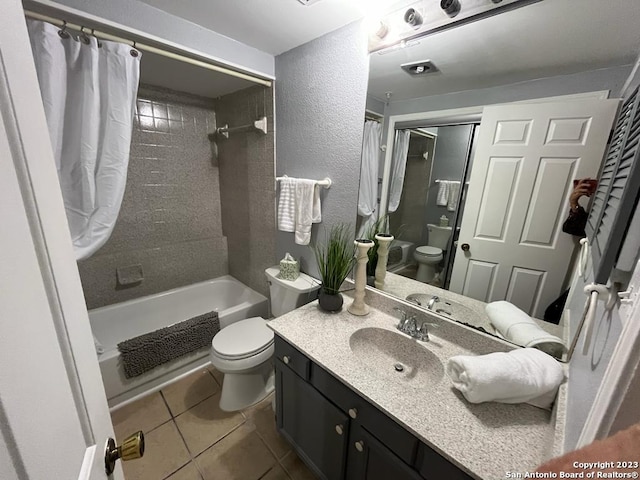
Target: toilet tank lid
<point x="303" y="284"/>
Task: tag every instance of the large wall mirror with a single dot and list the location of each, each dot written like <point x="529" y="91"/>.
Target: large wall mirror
<point x="476" y="159"/>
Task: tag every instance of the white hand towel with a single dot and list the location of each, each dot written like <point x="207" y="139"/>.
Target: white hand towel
<point x="443" y="193"/>
<point x="522" y="375"/>
<point x="287" y="205"/>
<point x="308" y="211"/>
<point x="454" y="193"/>
<point x="519" y="328"/>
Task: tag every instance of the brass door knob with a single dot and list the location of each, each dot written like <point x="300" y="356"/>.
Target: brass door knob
<point x="286" y="360"/>
<point x="465" y="247"/>
<point x="360" y="446"/>
<point x="131" y="448"/>
<point x="353" y="413"/>
<point x="339" y="429"/>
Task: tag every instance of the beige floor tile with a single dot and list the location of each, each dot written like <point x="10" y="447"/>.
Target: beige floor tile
<point x="218" y="375"/>
<point x="276" y="473"/>
<point x="205" y="424"/>
<point x="145" y="414"/>
<point x="188" y="472"/>
<point x="265" y="422"/>
<point x="250" y="411"/>
<point x="241" y="455"/>
<point x="164" y="453"/>
<point x="189" y="391"/>
<point x="296" y="468"/>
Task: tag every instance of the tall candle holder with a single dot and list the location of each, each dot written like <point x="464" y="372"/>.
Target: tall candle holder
<point x="358" y="307"/>
<point x="384" y="242"/>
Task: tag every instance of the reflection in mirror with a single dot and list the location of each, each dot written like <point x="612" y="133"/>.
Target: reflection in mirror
<point x="476" y="197"/>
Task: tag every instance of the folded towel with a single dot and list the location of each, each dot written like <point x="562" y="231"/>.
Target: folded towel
<point x="287" y="205"/>
<point x="454" y="193"/>
<point x="518" y="327"/>
<point x="307" y="205"/>
<point x="443" y="193"/>
<point x="522" y="375"/>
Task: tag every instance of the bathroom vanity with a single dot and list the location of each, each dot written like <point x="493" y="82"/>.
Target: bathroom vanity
<point x="359" y="400"/>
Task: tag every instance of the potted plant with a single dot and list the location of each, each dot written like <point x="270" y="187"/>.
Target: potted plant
<point x="335" y="260"/>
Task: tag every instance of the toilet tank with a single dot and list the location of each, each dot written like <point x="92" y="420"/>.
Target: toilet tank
<point x="438" y="236"/>
<point x="287" y="295"/>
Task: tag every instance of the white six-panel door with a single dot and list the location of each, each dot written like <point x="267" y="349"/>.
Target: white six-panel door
<point x="526" y="159"/>
<point x="54" y="419"/>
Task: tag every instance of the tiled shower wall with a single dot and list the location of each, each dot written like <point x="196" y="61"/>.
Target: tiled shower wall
<point x="170" y="221"/>
<point x="408" y="221"/>
<point x="247" y="169"/>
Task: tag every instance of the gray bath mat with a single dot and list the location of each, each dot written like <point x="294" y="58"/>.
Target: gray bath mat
<point x="141" y="354"/>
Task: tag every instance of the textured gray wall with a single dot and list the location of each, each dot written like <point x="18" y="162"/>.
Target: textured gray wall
<point x="603" y="79"/>
<point x="247" y="181"/>
<point x="143" y="17"/>
<point x="448" y="164"/>
<point x="320" y="99"/>
<point x="170" y="219"/>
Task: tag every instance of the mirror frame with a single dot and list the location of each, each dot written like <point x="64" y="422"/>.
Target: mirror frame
<point x="460" y="115"/>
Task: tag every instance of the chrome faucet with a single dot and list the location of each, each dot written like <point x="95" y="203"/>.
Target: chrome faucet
<point x="409" y="324"/>
<point x="433" y="300"/>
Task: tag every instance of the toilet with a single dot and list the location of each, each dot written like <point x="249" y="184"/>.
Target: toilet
<point x="429" y="256"/>
<point x="243" y="350"/>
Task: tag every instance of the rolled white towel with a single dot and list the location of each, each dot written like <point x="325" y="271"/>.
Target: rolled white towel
<point x="524" y="375"/>
<point x="518" y="327"/>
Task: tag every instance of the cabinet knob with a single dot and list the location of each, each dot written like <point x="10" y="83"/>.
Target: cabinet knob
<point x="353" y="413"/>
<point x="286" y="359"/>
<point x="339" y="429"/>
<point x="360" y="446"/>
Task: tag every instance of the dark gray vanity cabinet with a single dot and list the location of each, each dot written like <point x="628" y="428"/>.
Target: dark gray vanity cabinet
<point x="313" y="424"/>
<point x="342" y="436"/>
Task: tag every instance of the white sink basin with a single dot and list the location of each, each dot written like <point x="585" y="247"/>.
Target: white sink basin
<point x="396" y="356"/>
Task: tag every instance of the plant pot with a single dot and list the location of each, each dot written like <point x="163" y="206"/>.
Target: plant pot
<point x="330" y="302"/>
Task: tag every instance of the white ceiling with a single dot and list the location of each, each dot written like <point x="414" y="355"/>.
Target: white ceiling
<point x="273" y="26"/>
<point x="552" y="37"/>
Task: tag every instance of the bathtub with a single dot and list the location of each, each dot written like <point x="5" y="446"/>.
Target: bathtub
<point x="114" y="323"/>
<point x="405" y="253"/>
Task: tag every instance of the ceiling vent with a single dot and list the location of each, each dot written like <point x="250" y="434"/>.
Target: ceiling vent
<point x="416" y="69"/>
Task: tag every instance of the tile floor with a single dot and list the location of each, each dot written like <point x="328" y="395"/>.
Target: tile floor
<point x="188" y="437"/>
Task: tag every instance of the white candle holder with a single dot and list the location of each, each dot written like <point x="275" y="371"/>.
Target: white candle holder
<point x="358" y="307"/>
<point x="384" y="242"/>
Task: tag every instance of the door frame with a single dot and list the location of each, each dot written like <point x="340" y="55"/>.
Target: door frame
<point x="459" y="116"/>
<point x="42" y="207"/>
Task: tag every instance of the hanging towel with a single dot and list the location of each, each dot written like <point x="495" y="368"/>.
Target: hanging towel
<point x="443" y="193"/>
<point x="307" y="207"/>
<point x="454" y="193"/>
<point x="287" y="205"/>
<point x="522" y="375"/>
<point x="518" y="327"/>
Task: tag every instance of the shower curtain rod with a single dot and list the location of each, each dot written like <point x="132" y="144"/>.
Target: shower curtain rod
<point x="260" y="125"/>
<point x="146" y="48"/>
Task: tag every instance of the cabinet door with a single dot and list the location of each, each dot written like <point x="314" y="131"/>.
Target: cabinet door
<point x="311" y="423"/>
<point x="371" y="460"/>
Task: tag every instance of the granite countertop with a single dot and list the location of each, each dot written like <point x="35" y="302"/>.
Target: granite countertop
<point x="486" y="440"/>
<point x="401" y="287"/>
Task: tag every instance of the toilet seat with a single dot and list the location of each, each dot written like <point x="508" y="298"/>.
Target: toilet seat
<point x="427" y="251"/>
<point x="243" y="339"/>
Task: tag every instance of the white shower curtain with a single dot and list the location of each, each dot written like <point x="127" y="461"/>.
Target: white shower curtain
<point x="368" y="194"/>
<point x="398" y="167"/>
<point x="89" y="95"/>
